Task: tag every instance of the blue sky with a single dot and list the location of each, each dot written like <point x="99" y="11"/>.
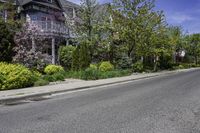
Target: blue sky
<point x="178" y="12"/>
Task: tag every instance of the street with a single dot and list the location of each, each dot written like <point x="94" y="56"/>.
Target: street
<point x="165" y="104"/>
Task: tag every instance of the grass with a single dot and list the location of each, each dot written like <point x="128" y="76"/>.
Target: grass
<point x="96" y="74"/>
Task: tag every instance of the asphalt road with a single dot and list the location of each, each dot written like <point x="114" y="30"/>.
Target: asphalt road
<point x="167" y="104"/>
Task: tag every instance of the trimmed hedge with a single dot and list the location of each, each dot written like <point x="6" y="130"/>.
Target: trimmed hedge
<point x="52" y="69"/>
<point x="14" y="76"/>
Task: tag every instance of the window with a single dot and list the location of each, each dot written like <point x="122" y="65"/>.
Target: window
<point x="50" y="1"/>
<point x="34" y="18"/>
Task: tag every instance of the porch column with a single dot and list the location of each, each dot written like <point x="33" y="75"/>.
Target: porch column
<point x="67" y="42"/>
<point x="53" y="53"/>
<point x="33" y="44"/>
<point x="74" y="13"/>
<point x="6" y="15"/>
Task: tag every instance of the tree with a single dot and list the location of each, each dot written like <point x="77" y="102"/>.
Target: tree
<point x="175" y="37"/>
<point x="80" y="57"/>
<point x="7" y="32"/>
<point x="27" y="54"/>
<point x="92" y="28"/>
<point x="141" y="29"/>
<point x="65" y="56"/>
<point x="85" y="28"/>
<point x="6" y="42"/>
<point x="194" y="46"/>
<point x="87" y="15"/>
<point x="75" y="59"/>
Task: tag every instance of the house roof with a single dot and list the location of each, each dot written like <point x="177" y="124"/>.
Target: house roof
<point x="2" y="1"/>
<point x="23" y="2"/>
<point x="47" y="4"/>
<point x="63" y="3"/>
<point x="66" y="3"/>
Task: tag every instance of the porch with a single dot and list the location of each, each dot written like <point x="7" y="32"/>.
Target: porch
<point x="51" y="30"/>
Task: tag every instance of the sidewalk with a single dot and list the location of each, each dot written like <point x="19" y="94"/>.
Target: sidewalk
<point x="25" y="93"/>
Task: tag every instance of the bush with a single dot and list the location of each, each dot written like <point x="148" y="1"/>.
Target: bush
<point x="106" y="66"/>
<point x="59" y="76"/>
<point x="178" y="67"/>
<point x="109" y="74"/>
<point x="1" y="80"/>
<point x="31" y="59"/>
<point x="55" y="77"/>
<point x="90" y="74"/>
<point x="41" y="82"/>
<point x="37" y="75"/>
<point x="74" y="74"/>
<point x="94" y="74"/>
<point x="115" y="73"/>
<point x="65" y="56"/>
<point x="181" y="67"/>
<point x="81" y="57"/>
<point x="93" y="66"/>
<point x="52" y="69"/>
<point x="165" y="62"/>
<point x="193" y="65"/>
<point x="124" y="63"/>
<point x="15" y="76"/>
<point x="138" y="67"/>
<point x="7" y="33"/>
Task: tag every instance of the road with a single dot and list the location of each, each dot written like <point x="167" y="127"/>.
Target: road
<point x="166" y="104"/>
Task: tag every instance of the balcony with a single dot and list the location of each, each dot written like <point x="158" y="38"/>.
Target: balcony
<point x="49" y="28"/>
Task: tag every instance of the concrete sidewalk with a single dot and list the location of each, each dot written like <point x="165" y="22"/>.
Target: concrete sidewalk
<point x="26" y="93"/>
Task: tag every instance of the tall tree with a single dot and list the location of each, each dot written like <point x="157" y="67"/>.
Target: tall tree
<point x="84" y="29"/>
<point x="139" y="27"/>
<point x="194" y="46"/>
<point x="175" y="37"/>
<point x="7" y="32"/>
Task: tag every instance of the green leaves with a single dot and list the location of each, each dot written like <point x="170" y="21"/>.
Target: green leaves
<point x="65" y="56"/>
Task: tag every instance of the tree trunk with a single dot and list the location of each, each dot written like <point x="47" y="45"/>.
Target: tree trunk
<point x="156" y="58"/>
<point x="142" y="59"/>
<point x="174" y="57"/>
<point x="196" y="60"/>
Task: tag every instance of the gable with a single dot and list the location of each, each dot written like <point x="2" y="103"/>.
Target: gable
<point x="52" y="3"/>
<point x="49" y="3"/>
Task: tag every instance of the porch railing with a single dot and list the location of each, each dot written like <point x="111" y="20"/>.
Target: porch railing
<point x="49" y="27"/>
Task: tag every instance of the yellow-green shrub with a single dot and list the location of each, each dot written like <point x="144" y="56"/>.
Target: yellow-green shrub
<point x="52" y="69"/>
<point x="93" y="66"/>
<point x="106" y="66"/>
<point x="15" y="76"/>
<point x="1" y="80"/>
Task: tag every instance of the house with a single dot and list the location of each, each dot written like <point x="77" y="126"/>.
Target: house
<point x="49" y="17"/>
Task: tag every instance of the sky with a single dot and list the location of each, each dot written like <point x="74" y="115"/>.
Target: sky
<point x="185" y="13"/>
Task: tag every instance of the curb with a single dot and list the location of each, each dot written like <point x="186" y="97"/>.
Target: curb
<point x="30" y="96"/>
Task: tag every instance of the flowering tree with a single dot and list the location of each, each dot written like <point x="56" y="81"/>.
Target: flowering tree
<point x="26" y="53"/>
